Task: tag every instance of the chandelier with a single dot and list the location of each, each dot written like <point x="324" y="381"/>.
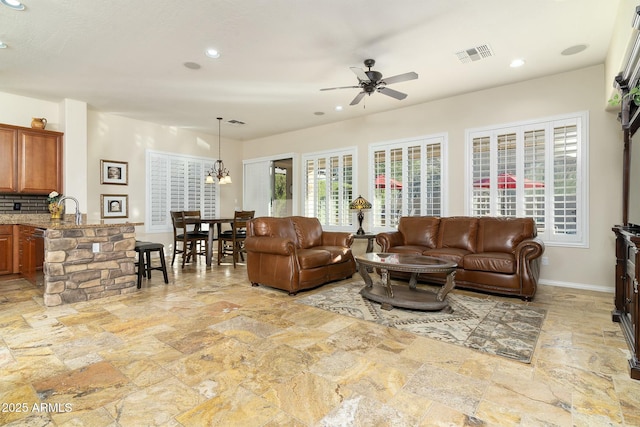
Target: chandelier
<point x="218" y="171"/>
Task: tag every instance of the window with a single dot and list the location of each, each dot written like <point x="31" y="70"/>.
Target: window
<point x="535" y="169"/>
<point x="407" y="179"/>
<point x="174" y="183"/>
<point x="328" y="187"/>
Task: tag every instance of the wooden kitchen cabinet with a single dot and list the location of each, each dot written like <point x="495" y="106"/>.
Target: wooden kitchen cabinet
<point x="30" y="160"/>
<point x="8" y="160"/>
<point x="31" y="253"/>
<point x="6" y="249"/>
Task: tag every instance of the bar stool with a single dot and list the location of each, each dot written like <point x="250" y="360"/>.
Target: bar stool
<point x="144" y="250"/>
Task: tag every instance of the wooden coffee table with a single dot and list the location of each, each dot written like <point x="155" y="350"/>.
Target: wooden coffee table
<point x="391" y="295"/>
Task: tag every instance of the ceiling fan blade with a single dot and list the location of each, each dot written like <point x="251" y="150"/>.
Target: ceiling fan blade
<point x="400" y="78"/>
<point x="341" y="87"/>
<point x="358" y="98"/>
<point x="359" y="72"/>
<point x="392" y="93"/>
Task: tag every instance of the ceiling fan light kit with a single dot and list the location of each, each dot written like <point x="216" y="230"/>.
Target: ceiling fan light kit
<point x="371" y="81"/>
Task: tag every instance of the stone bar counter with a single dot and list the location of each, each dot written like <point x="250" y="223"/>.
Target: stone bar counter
<point x="90" y="260"/>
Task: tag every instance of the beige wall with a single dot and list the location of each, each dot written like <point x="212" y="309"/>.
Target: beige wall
<point x="116" y="138"/>
<point x="581" y="90"/>
<point x="91" y="136"/>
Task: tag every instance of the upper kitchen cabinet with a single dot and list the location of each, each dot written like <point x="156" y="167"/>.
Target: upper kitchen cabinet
<point x="33" y="160"/>
<point x="8" y="160"/>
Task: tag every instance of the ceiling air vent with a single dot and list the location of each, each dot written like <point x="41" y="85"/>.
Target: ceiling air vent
<point x="475" y="53"/>
<point x="236" y="122"/>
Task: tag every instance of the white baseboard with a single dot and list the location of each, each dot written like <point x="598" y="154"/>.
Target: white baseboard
<point x="583" y="286"/>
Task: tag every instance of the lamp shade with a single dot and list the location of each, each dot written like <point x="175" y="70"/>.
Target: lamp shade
<point x="359" y="203"/>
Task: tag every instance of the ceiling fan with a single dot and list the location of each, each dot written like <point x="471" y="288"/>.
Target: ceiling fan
<point x="371" y="81"/>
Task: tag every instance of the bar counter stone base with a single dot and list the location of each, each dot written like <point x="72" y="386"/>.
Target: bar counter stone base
<point x="73" y="272"/>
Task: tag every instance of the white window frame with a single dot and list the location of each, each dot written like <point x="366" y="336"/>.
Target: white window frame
<point x="190" y="194"/>
<point x="578" y="119"/>
<point x="404" y="144"/>
<point x="346" y="222"/>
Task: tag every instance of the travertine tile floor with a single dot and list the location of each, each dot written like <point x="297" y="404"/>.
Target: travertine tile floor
<point x="208" y="349"/>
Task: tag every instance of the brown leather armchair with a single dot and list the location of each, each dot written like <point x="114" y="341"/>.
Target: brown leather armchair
<point x="498" y="255"/>
<point x="294" y="253"/>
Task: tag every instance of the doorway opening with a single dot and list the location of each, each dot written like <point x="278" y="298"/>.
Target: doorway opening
<point x="282" y="187"/>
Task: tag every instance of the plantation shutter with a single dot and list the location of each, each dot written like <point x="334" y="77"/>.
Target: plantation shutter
<point x="328" y="187"/>
<point x="533" y="170"/>
<point x="176" y="183"/>
<point x="407" y="180"/>
<point x="157" y="205"/>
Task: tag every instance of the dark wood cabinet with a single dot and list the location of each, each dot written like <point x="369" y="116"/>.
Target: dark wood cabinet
<point x="30" y="160"/>
<point x="6" y="249"/>
<point x="31" y="253"/>
<point x="627" y="272"/>
<point x="627" y="304"/>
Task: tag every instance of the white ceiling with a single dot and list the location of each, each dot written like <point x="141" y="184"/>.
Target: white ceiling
<point x="126" y="57"/>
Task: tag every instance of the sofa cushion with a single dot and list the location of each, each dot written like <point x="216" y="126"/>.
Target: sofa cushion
<point x="499" y="262"/>
<point x="458" y="232"/>
<point x="448" y="254"/>
<point x="308" y="231"/>
<point x="313" y="258"/>
<point x="419" y="230"/>
<point x="337" y="254"/>
<point x="503" y="234"/>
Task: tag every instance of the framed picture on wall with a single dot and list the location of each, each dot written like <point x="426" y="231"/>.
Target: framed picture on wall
<point x="113" y="172"/>
<point x="114" y="206"/>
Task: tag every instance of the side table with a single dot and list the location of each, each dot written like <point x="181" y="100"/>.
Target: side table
<point x="370" y="237"/>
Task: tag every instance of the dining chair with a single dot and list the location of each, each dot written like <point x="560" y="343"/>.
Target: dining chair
<point x="231" y="242"/>
<point x="186" y="236"/>
<point x="196" y="228"/>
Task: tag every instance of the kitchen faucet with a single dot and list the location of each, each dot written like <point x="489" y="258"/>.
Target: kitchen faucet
<point x="78" y="216"/>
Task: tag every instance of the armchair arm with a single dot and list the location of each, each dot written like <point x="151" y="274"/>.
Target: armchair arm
<point x="529" y="249"/>
<point x="271" y="245"/>
<point x="389" y="240"/>
<point x="528" y="253"/>
<point x="337" y="238"/>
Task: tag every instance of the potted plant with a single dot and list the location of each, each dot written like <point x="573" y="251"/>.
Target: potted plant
<point x="633" y="95"/>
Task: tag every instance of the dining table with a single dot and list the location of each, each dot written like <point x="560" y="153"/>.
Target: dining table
<point x="210" y="234"/>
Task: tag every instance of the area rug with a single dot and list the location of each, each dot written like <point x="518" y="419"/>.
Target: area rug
<point x="502" y="328"/>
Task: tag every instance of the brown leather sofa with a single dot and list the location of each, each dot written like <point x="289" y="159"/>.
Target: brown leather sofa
<point x="497" y="255"/>
<point x="293" y="253"/>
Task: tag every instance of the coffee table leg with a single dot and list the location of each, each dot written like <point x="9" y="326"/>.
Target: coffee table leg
<point x="364" y="272"/>
<point x="448" y="286"/>
<point x="386" y="280"/>
<point x="413" y="280"/>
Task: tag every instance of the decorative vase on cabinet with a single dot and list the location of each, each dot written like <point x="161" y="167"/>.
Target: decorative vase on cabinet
<point x="38" y="123"/>
<point x="56" y="211"/>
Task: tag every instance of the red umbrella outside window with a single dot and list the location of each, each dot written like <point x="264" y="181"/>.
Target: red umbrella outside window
<point x="381" y="182"/>
<point x="507" y="181"/>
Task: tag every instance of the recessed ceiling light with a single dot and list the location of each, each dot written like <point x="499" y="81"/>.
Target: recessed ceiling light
<point x="339" y="108"/>
<point x="13" y="4"/>
<point x="517" y="63"/>
<point x="3" y="45"/>
<point x="212" y="53"/>
<point x="573" y="49"/>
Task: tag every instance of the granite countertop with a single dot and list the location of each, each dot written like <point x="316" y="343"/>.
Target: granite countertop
<point x="68" y="222"/>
